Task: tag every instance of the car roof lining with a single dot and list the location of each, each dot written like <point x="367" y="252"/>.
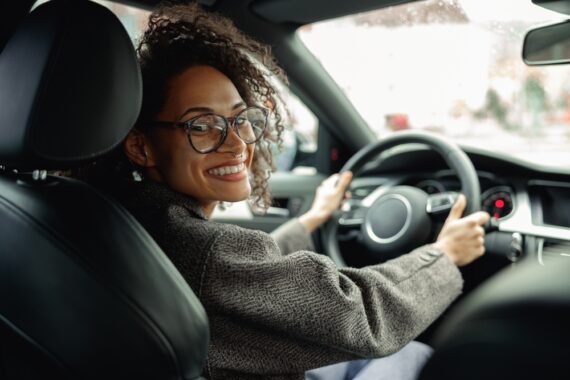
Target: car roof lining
<point x="299" y="12"/>
<point x="560" y="6"/>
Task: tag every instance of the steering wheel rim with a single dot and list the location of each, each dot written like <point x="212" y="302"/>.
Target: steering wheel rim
<point x="452" y="154"/>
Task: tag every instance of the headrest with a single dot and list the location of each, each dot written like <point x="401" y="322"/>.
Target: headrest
<point x="70" y="86"/>
<point x="514" y="326"/>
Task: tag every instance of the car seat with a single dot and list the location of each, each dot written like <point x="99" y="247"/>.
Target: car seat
<point x="515" y="326"/>
<point x="84" y="290"/>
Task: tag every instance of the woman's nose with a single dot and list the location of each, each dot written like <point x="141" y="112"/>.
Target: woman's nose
<point x="233" y="142"/>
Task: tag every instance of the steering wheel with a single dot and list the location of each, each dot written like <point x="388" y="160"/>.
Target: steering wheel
<point x="393" y="220"/>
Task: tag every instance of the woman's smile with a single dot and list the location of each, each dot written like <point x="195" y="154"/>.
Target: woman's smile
<point x="234" y="170"/>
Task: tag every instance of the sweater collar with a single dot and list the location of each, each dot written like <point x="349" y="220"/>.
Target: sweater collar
<point x="153" y="190"/>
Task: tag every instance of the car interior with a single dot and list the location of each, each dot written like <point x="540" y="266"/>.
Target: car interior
<point x="87" y="293"/>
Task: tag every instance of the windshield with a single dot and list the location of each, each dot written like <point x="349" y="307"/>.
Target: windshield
<point x="453" y="67"/>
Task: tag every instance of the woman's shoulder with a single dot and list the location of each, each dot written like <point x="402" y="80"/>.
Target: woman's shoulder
<point x="171" y="216"/>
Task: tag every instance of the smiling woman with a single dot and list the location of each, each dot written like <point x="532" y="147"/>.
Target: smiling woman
<point x="276" y="309"/>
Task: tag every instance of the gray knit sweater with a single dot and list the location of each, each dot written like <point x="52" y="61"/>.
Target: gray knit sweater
<point x="277" y="310"/>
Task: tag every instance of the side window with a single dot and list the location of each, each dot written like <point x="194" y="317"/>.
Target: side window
<point x="299" y="138"/>
<point x="133" y="19"/>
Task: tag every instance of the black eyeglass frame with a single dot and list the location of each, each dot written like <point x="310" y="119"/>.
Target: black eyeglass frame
<point x="227" y="120"/>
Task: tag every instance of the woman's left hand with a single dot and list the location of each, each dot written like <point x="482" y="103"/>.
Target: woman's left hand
<point x="328" y="199"/>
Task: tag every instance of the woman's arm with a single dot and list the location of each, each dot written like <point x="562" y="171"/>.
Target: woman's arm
<point x="295" y="235"/>
<point x="300" y="311"/>
<point x="292" y="236"/>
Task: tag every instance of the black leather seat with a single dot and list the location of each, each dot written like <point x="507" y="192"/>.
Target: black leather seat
<point x="516" y="326"/>
<point x="85" y="293"/>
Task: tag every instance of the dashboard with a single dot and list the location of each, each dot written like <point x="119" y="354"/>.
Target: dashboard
<point x="528" y="201"/>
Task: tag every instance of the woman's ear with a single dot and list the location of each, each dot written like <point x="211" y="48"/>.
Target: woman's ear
<point x="136" y="149"/>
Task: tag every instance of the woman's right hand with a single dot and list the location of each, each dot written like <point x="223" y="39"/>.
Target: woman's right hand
<point x="462" y="239"/>
<point x="328" y="199"/>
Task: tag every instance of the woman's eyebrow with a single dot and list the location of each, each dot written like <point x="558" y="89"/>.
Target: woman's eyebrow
<point x="239" y="105"/>
<point x="197" y="109"/>
<point x="209" y="110"/>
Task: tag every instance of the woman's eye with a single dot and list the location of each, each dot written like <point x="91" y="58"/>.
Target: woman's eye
<point x="240" y="120"/>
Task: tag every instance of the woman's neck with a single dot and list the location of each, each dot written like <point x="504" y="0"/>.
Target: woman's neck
<point x="208" y="208"/>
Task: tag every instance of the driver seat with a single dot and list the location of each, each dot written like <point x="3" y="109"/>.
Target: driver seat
<point x="84" y="290"/>
<point x="514" y="326"/>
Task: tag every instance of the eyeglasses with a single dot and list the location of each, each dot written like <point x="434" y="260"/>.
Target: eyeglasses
<point x="207" y="132"/>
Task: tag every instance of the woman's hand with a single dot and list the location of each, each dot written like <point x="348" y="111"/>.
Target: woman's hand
<point x="462" y="239"/>
<point x="328" y="198"/>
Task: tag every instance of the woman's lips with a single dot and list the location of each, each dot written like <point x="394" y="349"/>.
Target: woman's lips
<point x="234" y="170"/>
<point x="222" y="171"/>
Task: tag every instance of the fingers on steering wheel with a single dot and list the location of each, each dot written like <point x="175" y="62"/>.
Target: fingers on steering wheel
<point x="344" y="180"/>
<point x="459" y="206"/>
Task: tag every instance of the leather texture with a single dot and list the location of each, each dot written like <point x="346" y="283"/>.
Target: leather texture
<point x="68" y="74"/>
<point x="514" y="326"/>
<point x="83" y="283"/>
<point x="85" y="293"/>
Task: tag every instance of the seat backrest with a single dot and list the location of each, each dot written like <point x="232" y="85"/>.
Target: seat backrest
<point x="84" y="291"/>
<point x="515" y="326"/>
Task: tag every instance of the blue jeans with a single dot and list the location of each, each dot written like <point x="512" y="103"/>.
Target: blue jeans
<point x="405" y="364"/>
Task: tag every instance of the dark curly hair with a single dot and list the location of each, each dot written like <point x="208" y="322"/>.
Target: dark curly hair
<point x="181" y="36"/>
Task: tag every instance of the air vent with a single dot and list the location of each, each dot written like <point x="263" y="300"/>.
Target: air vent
<point x="554" y="250"/>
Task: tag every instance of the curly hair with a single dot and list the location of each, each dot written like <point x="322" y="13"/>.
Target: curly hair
<point x="182" y="36"/>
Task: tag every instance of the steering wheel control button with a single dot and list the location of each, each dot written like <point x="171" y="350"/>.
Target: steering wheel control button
<point x="440" y="203"/>
<point x="352" y="217"/>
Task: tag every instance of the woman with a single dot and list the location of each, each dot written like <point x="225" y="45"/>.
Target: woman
<point x="276" y="310"/>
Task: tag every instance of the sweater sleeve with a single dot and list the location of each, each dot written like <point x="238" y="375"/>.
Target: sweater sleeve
<point x="348" y="313"/>
<point x="292" y="236"/>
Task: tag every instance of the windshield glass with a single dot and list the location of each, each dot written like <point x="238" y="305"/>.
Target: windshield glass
<point x="453" y="67"/>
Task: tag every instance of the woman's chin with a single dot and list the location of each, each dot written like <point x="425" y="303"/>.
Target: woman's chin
<point x="236" y="196"/>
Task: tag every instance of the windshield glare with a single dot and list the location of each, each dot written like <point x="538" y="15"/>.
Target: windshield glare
<point x="453" y="67"/>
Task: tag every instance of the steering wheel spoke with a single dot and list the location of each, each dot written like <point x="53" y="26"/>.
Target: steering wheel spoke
<point x="352" y="215"/>
<point x="441" y="203"/>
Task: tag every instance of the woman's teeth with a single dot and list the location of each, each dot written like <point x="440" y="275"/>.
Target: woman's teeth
<point x="225" y="170"/>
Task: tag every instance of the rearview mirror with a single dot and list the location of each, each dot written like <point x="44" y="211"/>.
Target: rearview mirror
<point x="547" y="45"/>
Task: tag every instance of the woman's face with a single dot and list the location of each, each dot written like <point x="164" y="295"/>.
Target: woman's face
<point x="221" y="175"/>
